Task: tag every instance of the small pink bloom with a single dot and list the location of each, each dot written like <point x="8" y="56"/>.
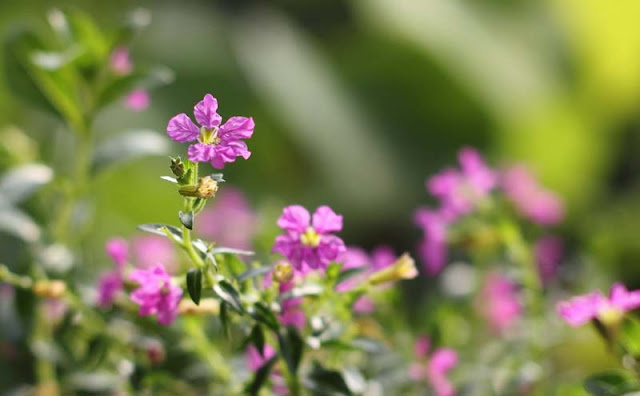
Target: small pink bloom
<point x="118" y="250"/>
<point x="109" y="285"/>
<point x="255" y="359"/>
<point x="581" y="309"/>
<point x="120" y="62"/>
<point x="308" y="243"/>
<point x="157" y="295"/>
<point x="433" y="247"/>
<point x="435" y="368"/>
<point x="137" y="100"/>
<point x="230" y="221"/>
<point x="548" y="251"/>
<point x="530" y="198"/>
<point x="292" y="314"/>
<point x="499" y="302"/>
<point x="217" y="144"/>
<point x="148" y="250"/>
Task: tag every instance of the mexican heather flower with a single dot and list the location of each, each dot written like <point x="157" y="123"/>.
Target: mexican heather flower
<point x="157" y="295"/>
<point x="254" y="360"/>
<point x="581" y="309"/>
<point x="118" y="250"/>
<point x="308" y="243"/>
<point x="548" y="251"/>
<point x="432" y="249"/>
<point x="137" y="100"/>
<point x="500" y="304"/>
<point x="217" y="144"/>
<point x="459" y="189"/>
<point x="530" y="198"/>
<point x="292" y="314"/>
<point x="120" y="62"/>
<point x="148" y="250"/>
<point x="110" y="283"/>
<point x="229" y="221"/>
<point x="434" y="369"/>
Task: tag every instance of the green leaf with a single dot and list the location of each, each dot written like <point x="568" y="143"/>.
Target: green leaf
<point x="141" y="77"/>
<point x="629" y="336"/>
<point x="228" y="250"/>
<point x="15" y="222"/>
<point x="224" y="318"/>
<point x="20" y="182"/>
<point x="234" y="264"/>
<point x="349" y="273"/>
<point x="264" y="315"/>
<point x="229" y="294"/>
<point x="186" y="219"/>
<point x="611" y="383"/>
<point x="257" y="338"/>
<point x="308" y="289"/>
<point x="194" y="284"/>
<point x="169" y="179"/>
<point x="326" y="382"/>
<point x="87" y="35"/>
<point x="162" y="229"/>
<point x="128" y="146"/>
<point x="261" y="376"/>
<point x="254" y="272"/>
<point x="291" y="347"/>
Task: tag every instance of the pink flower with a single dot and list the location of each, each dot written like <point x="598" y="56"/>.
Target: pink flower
<point x="435" y="368"/>
<point x="110" y="283"/>
<point x="120" y="62"/>
<point x="157" y="295"/>
<point x="581" y="309"/>
<point x="118" y="250"/>
<point x="530" y="198"/>
<point x="229" y="221"/>
<point x="217" y="144"/>
<point x="292" y="314"/>
<point x="499" y="302"/>
<point x="137" y="100"/>
<point x="548" y="251"/>
<point x="148" y="250"/>
<point x="255" y="360"/>
<point x="459" y="190"/>
<point x="433" y="247"/>
<point x="307" y="243"/>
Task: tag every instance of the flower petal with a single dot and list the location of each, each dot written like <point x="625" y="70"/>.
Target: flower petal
<point x="201" y="152"/>
<point x="206" y="112"/>
<point x="325" y="220"/>
<point x="182" y="129"/>
<point x="237" y="128"/>
<point x="294" y="218"/>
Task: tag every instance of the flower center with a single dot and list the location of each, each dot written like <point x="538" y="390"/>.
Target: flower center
<point x="610" y="315"/>
<point x="310" y="238"/>
<point x="209" y="136"/>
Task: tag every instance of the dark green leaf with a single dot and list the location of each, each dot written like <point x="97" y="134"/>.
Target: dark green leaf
<point x="159" y="229"/>
<point x="326" y="382"/>
<point x="291" y="347"/>
<point x="194" y="284"/>
<point x="20" y="182"/>
<point x="229" y="294"/>
<point x="128" y="146"/>
<point x="186" y="219"/>
<point x="224" y="318"/>
<point x="253" y="272"/>
<point x="257" y="338"/>
<point x="261" y="376"/>
<point x="611" y="383"/>
<point x="264" y="315"/>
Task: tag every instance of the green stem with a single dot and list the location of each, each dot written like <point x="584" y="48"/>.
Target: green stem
<point x="9" y="277"/>
<point x="45" y="370"/>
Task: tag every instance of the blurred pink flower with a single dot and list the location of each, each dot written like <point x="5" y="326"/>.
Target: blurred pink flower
<point x="118" y="250"/>
<point x="500" y="304"/>
<point x="581" y="309"/>
<point x="548" y="251"/>
<point x="229" y="221"/>
<point x="292" y="314"/>
<point x="120" y="62"/>
<point x="149" y="250"/>
<point x="435" y="368"/>
<point x="137" y="100"/>
<point x="157" y="295"/>
<point x="530" y="198"/>
<point x="255" y="360"/>
<point x="110" y="283"/>
<point x="308" y="243"/>
<point x="432" y="249"/>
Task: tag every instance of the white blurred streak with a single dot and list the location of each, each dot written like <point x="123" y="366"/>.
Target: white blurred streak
<point x="501" y="71"/>
<point x="298" y="84"/>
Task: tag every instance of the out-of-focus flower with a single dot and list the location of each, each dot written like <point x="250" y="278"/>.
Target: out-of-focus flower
<point x="229" y="221"/>
<point x="403" y="268"/>
<point x="157" y="295"/>
<point x="548" y="252"/>
<point x="530" y="198"/>
<point x="217" y="144"/>
<point x="137" y="100"/>
<point x="500" y="303"/>
<point x="111" y="283"/>
<point x="292" y="314"/>
<point x="581" y="309"/>
<point x="255" y="360"/>
<point x="118" y="250"/>
<point x="148" y="250"/>
<point x="435" y="368"/>
<point x="309" y="243"/>
<point x="433" y="246"/>
<point x="120" y="62"/>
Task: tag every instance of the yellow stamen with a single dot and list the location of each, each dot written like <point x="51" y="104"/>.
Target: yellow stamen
<point x="310" y="238"/>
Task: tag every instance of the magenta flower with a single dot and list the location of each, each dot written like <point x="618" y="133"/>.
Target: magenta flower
<point x="110" y="283"/>
<point x="255" y="360"/>
<point x="157" y="295"/>
<point x="435" y="368"/>
<point x="459" y="190"/>
<point x="148" y="250"/>
<point x="499" y="302"/>
<point x="137" y="100"/>
<point x="432" y="249"/>
<point x="308" y="243"/>
<point x="118" y="250"/>
<point x="229" y="221"/>
<point x="530" y="198"/>
<point x="581" y="309"/>
<point x="120" y="62"/>
<point x="292" y="314"/>
<point x="217" y="144"/>
<point x="548" y="252"/>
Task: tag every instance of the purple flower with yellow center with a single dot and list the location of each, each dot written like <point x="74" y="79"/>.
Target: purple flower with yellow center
<point x="308" y="242"/>
<point x="581" y="309"/>
<point x="157" y="295"/>
<point x="216" y="143"/>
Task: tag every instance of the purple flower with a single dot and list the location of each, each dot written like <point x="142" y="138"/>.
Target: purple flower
<point x="137" y="100"/>
<point x="148" y="250"/>
<point x="118" y="250"/>
<point x="435" y="368"/>
<point x="500" y="304"/>
<point x="254" y="360"/>
<point x="531" y="199"/>
<point x="109" y="285"/>
<point x="292" y="314"/>
<point x="217" y="143"/>
<point x="432" y="249"/>
<point x="120" y="62"/>
<point x="581" y="309"/>
<point x="308" y="243"/>
<point x="459" y="189"/>
<point x="229" y="221"/>
<point x="548" y="251"/>
<point x="157" y="295"/>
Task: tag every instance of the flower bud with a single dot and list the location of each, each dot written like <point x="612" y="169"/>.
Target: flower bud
<point x="49" y="288"/>
<point x="207" y="187"/>
<point x="155" y="351"/>
<point x="177" y="167"/>
<point x="403" y="268"/>
<point x="208" y="306"/>
<point x="283" y="272"/>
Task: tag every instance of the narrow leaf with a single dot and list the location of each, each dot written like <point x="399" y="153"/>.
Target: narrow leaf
<point x="20" y="182"/>
<point x="228" y="250"/>
<point x="186" y="219"/>
<point x="261" y="376"/>
<point x="129" y="146"/>
<point x="254" y="272"/>
<point x="229" y="294"/>
<point x="159" y="229"/>
<point x="291" y="347"/>
<point x="194" y="284"/>
<point x="264" y="315"/>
